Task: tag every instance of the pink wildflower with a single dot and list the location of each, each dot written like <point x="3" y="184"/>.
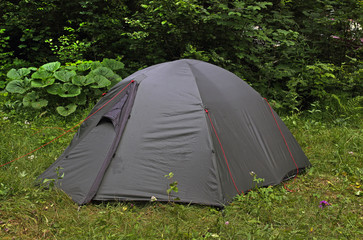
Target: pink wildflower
<point x="324" y="204"/>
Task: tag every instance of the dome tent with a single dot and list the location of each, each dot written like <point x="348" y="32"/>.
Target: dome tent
<point x="192" y="118"/>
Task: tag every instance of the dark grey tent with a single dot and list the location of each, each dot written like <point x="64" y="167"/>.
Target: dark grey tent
<point x="192" y="118"/>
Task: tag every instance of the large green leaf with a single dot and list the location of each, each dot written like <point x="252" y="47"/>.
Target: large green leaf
<point x="84" y="66"/>
<point x="115" y="78"/>
<point x="18" y="74"/>
<point x="64" y="75"/>
<point x="17" y="86"/>
<point x="40" y="83"/>
<point x="51" y="67"/>
<point x="81" y="99"/>
<point x="103" y="71"/>
<point x="71" y="68"/>
<point x="40" y="103"/>
<point x="100" y="81"/>
<point x="13" y="74"/>
<point x="42" y="74"/>
<point x="32" y="99"/>
<point x="67" y="110"/>
<point x="107" y="73"/>
<point x="70" y="90"/>
<point x="96" y="64"/>
<point x="55" y="89"/>
<point x="112" y="64"/>
<point x="29" y="98"/>
<point x="82" y="80"/>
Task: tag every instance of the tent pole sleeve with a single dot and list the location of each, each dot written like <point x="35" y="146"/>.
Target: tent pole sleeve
<point x="119" y="130"/>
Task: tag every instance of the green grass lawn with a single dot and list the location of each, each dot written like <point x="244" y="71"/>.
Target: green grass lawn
<point x="336" y="176"/>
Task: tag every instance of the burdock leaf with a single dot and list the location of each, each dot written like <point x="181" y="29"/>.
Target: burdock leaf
<point x="70" y="90"/>
<point x="18" y="74"/>
<point x="82" y="80"/>
<point x="100" y="81"/>
<point x="64" y="75"/>
<point x="41" y="83"/>
<point x="84" y="67"/>
<point x="55" y="89"/>
<point x="102" y="71"/>
<point x="40" y="103"/>
<point x="112" y="64"/>
<point x="42" y="74"/>
<point x="16" y="86"/>
<point x="67" y="110"/>
<point x="32" y="99"/>
<point x="51" y="67"/>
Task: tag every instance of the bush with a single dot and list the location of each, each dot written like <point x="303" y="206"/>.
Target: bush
<point x="63" y="88"/>
<point x="5" y="56"/>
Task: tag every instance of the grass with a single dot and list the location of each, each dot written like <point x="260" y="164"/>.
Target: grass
<point x="335" y="151"/>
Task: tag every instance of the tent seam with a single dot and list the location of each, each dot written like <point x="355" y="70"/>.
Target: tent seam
<point x="210" y="140"/>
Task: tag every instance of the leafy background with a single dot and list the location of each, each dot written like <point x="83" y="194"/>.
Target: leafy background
<point x="294" y="52"/>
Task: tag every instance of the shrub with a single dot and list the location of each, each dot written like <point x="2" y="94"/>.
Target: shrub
<point x="63" y="88"/>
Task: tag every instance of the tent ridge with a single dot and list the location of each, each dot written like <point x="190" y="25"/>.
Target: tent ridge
<point x="204" y="108"/>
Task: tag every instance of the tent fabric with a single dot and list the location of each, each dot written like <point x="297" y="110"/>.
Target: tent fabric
<point x="197" y="120"/>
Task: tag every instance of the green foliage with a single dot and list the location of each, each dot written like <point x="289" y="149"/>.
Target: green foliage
<point x="173" y="186"/>
<point x="66" y="110"/>
<point x="255" y="40"/>
<point x="68" y="48"/>
<point x="344" y="110"/>
<point x="293" y="52"/>
<point x="314" y="83"/>
<point x="332" y="29"/>
<point x="32" y="99"/>
<point x="5" y="56"/>
<point x="53" y="84"/>
<point x="51" y="183"/>
<point x="327" y="83"/>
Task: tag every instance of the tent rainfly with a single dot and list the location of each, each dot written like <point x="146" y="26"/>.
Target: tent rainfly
<point x="194" y="119"/>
